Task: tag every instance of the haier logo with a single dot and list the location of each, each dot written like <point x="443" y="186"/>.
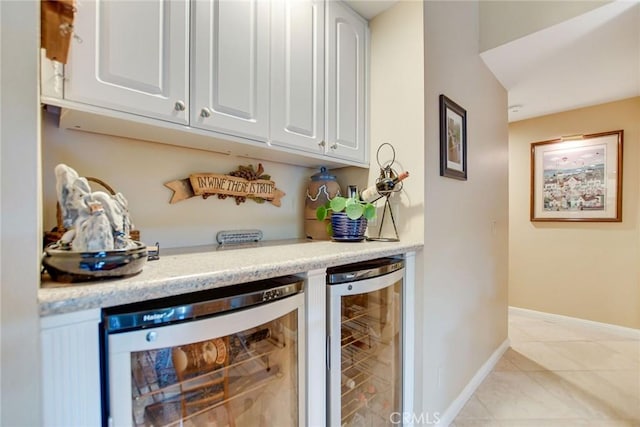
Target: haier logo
<point x="158" y="316"/>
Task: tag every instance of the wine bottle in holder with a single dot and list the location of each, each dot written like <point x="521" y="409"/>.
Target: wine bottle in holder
<point x="383" y="187"/>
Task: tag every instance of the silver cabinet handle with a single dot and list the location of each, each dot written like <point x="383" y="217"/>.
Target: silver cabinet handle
<point x="179" y="106"/>
<point x="334" y="146"/>
<point x="327" y="350"/>
<point x="205" y="112"/>
<point x="322" y="143"/>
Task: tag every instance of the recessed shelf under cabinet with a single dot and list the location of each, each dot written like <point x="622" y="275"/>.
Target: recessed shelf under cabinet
<point x="103" y="121"/>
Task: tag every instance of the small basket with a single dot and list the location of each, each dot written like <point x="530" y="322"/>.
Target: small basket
<point x="58" y="231"/>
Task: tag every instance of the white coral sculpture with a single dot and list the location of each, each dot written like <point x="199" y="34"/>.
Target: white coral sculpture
<point x="97" y="221"/>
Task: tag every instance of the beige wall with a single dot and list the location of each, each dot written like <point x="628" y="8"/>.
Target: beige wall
<point x="584" y="270"/>
<point x="464" y="298"/>
<point x="397" y="109"/>
<point x="397" y="117"/>
<point x="506" y="20"/>
<point x="20" y="231"/>
<point x="461" y="299"/>
<point x="139" y="169"/>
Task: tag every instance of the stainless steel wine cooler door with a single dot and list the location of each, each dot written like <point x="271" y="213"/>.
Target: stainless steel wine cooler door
<point x="242" y="368"/>
<point x="365" y="350"/>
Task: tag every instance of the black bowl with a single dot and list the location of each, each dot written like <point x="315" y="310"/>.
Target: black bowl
<point x="64" y="265"/>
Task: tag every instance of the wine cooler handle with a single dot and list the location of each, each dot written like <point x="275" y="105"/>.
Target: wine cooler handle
<point x="328" y="352"/>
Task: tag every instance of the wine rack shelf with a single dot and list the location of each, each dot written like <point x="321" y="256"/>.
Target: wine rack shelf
<point x="165" y="393"/>
<point x="367" y="389"/>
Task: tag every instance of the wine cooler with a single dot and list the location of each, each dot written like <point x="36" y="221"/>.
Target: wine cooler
<point x="224" y="357"/>
<point x="365" y="343"/>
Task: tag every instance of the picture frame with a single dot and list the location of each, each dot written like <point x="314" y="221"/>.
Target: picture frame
<point x="577" y="178"/>
<point x="453" y="139"/>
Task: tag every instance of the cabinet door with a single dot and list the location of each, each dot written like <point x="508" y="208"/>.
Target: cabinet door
<point x="133" y="56"/>
<point x="346" y="86"/>
<point x="230" y="67"/>
<point x="297" y="74"/>
<point x="70" y="349"/>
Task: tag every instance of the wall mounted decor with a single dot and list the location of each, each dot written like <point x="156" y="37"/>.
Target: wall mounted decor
<point x="453" y="139"/>
<point x="242" y="184"/>
<point x="577" y="178"/>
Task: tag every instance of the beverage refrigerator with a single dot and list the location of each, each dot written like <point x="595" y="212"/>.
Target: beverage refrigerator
<point x="231" y="356"/>
<point x="364" y="343"/>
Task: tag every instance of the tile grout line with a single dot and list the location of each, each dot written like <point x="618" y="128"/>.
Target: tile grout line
<point x="604" y="411"/>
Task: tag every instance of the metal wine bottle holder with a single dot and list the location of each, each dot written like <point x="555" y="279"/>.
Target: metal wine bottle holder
<point x="386" y="172"/>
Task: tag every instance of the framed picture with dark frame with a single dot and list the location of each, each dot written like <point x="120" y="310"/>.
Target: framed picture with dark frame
<point x="577" y="178"/>
<point x="453" y="139"/>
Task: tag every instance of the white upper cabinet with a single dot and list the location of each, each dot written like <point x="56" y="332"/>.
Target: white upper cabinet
<point x="346" y="83"/>
<point x="230" y="67"/>
<point x="131" y="56"/>
<point x="297" y="74"/>
<point x="237" y="73"/>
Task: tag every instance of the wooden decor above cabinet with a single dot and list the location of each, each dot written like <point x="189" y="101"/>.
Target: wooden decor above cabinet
<point x="283" y="80"/>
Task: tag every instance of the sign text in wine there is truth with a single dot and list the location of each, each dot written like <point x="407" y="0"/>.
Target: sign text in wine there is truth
<point x="207" y="184"/>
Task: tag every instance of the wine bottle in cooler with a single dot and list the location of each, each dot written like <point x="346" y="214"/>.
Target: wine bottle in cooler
<point x="348" y="382"/>
<point x="382" y="187"/>
<point x="202" y="356"/>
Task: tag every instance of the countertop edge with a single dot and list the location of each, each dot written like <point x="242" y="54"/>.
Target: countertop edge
<point x="169" y="277"/>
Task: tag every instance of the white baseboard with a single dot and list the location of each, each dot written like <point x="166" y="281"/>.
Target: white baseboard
<point x="456" y="406"/>
<point x="617" y="329"/>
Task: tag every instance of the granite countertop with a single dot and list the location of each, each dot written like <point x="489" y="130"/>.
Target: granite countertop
<point x="180" y="271"/>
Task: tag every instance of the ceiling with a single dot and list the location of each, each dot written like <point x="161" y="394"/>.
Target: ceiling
<point x="370" y="8"/>
<point x="590" y="59"/>
<point x="587" y="60"/>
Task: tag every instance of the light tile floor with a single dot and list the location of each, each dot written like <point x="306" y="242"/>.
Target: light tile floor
<point x="559" y="373"/>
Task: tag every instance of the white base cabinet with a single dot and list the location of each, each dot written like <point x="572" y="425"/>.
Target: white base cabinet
<point x="70" y="347"/>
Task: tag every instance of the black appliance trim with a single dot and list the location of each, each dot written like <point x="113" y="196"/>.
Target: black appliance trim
<point x="363" y="270"/>
<point x="196" y="305"/>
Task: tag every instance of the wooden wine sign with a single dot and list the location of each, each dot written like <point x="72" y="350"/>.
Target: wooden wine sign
<point x="241" y="184"/>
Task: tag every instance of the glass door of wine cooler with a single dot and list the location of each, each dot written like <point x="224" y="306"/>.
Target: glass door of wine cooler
<point x="365" y="368"/>
<point x="238" y="369"/>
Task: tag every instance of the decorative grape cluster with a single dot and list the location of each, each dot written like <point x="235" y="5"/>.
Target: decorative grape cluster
<point x="247" y="172"/>
<point x="250" y="174"/>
